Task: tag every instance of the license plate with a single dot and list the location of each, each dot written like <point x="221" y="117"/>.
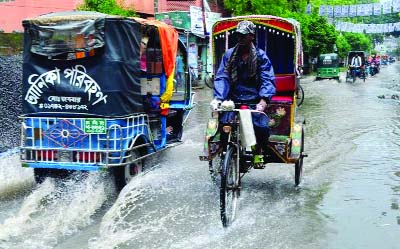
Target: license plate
<point x="95" y="126"/>
<point x="65" y="156"/>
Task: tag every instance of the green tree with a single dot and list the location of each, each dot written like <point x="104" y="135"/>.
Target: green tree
<point x="108" y="7"/>
<point x="11" y="43"/>
<point x="258" y="7"/>
<point x="321" y="37"/>
<point x="358" y="42"/>
<point x="343" y="47"/>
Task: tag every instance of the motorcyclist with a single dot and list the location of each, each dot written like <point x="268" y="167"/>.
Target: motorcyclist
<point x="246" y="75"/>
<point x="376" y="64"/>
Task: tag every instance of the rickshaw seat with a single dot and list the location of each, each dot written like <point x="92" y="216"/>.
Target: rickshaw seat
<point x="282" y="103"/>
<point x="285" y="87"/>
<point x="282" y="99"/>
<point x="285" y="83"/>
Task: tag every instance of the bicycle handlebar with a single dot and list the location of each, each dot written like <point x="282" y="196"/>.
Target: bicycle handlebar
<point x="237" y="110"/>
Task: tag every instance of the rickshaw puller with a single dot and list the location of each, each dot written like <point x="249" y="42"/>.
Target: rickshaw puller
<point x="355" y="64"/>
<point x="246" y="76"/>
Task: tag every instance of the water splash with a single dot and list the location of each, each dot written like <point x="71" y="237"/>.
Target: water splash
<point x="55" y="210"/>
<point x="13" y="178"/>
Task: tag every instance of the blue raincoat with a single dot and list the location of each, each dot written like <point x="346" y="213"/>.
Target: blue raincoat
<point x="244" y="90"/>
<point x="247" y="90"/>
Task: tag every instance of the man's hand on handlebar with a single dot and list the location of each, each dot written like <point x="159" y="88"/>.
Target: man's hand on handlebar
<point x="228" y="105"/>
<point x="261" y="106"/>
<point x="215" y="104"/>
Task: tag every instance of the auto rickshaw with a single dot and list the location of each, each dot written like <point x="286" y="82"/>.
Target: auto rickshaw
<point x="98" y="93"/>
<point x="353" y="72"/>
<point x="226" y="147"/>
<point x="328" y="66"/>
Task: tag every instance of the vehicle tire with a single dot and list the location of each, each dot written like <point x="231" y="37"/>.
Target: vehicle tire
<point x="124" y="174"/>
<point x="299" y="95"/>
<point x="354" y="77"/>
<point x="40" y="175"/>
<point x="230" y="189"/>
<point x="298" y="167"/>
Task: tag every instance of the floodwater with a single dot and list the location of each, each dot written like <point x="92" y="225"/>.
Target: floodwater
<point x="349" y="197"/>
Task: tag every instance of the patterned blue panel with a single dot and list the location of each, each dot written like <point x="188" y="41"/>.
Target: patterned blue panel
<point x="65" y="134"/>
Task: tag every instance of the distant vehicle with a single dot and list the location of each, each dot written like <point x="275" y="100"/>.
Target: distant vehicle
<point x="354" y="72"/>
<point x="328" y="66"/>
<point x="98" y="94"/>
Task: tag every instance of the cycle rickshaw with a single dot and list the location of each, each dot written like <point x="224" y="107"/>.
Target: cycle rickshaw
<point x="98" y="93"/>
<point x="352" y="73"/>
<point x="225" y="148"/>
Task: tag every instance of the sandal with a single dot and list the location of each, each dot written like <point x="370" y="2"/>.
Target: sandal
<point x="258" y="162"/>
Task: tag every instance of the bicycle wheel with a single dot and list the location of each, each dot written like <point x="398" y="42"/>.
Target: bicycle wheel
<point x="299" y="95"/>
<point x="348" y="76"/>
<point x="229" y="192"/>
<point x="298" y="167"/>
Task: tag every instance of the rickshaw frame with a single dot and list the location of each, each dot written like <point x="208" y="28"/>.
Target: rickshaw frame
<point x="229" y="158"/>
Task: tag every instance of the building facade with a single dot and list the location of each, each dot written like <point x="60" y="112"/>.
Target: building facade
<point x="12" y="12"/>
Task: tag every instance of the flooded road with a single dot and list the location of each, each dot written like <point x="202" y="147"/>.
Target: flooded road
<point x="349" y="197"/>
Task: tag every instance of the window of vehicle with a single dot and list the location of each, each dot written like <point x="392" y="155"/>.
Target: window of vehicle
<point x="68" y="39"/>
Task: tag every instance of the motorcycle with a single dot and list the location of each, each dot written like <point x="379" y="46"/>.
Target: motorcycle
<point x="374" y="69"/>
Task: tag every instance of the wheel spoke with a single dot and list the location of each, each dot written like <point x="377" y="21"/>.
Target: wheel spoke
<point x="229" y="187"/>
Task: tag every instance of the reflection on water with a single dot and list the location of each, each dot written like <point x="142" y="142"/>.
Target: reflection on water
<point x="364" y="194"/>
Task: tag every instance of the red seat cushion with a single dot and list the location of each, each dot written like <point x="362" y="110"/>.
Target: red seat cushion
<point x="285" y="83"/>
<point x="282" y="99"/>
